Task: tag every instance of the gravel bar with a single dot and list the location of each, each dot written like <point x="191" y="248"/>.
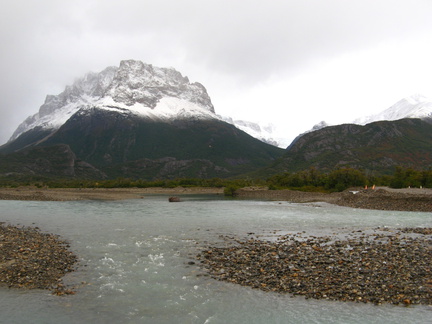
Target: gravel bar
<point x="34" y="260"/>
<point x="370" y="266"/>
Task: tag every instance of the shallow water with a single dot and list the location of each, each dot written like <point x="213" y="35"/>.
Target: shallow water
<point x="135" y="254"/>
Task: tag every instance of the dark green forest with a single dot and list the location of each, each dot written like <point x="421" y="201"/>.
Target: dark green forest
<point x="344" y="178"/>
<point x="307" y="180"/>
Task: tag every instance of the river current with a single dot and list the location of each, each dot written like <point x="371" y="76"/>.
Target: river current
<point x="136" y="261"/>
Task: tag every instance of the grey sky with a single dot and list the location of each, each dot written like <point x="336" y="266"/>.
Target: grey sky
<point x="293" y="63"/>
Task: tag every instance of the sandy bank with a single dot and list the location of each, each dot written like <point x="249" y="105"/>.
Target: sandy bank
<point x="68" y="194"/>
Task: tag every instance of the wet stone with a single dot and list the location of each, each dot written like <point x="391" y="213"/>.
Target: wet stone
<point x="381" y="267"/>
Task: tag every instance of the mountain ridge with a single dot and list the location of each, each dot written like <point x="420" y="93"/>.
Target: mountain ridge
<point x="377" y="147"/>
<point x="140" y="120"/>
<point x="149" y="91"/>
<point x="122" y="120"/>
<point x="415" y="106"/>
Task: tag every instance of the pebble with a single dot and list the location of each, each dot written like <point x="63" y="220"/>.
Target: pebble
<point x="384" y="200"/>
<point x="34" y="260"/>
<point x="385" y="266"/>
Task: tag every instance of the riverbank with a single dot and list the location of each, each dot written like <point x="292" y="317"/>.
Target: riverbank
<point x="70" y="194"/>
<point x="414" y="199"/>
<point x="34" y="260"/>
<point x="378" y="266"/>
<point x="380" y="198"/>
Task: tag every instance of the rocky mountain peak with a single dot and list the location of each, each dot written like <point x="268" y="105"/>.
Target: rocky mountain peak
<point x="91" y="86"/>
<point x="137" y="82"/>
<point x="136" y="86"/>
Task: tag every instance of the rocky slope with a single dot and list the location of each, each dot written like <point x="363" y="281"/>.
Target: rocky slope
<point x="376" y="147"/>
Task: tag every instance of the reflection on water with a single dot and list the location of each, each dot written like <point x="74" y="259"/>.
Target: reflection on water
<point x="137" y="262"/>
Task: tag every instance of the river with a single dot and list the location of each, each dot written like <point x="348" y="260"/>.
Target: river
<point x="137" y="261"/>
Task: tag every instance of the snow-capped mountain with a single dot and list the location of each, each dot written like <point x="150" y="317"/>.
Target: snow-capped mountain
<point x="142" y="89"/>
<point x="134" y="87"/>
<point x="135" y="120"/>
<point x="416" y="106"/>
<point x="265" y="133"/>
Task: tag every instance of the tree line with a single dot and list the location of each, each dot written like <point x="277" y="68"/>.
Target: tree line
<point x="344" y="178"/>
<point x="307" y="180"/>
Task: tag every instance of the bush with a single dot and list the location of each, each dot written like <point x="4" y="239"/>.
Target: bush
<point x="343" y="178"/>
<point x="230" y="190"/>
<point x="409" y="177"/>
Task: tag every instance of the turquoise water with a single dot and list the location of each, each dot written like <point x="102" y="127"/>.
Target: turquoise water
<point x="135" y="255"/>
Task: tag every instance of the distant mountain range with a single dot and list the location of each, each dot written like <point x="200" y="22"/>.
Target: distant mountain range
<point x="263" y="132"/>
<point x="135" y="120"/>
<point x="398" y="136"/>
<point x="376" y="148"/>
<point x="416" y="106"/>
<point x="142" y="121"/>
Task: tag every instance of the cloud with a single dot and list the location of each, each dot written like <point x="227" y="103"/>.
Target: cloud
<point x="248" y="54"/>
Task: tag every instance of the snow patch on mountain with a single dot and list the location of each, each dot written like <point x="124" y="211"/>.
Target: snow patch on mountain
<point x="316" y="127"/>
<point x="416" y="106"/>
<point x="166" y="109"/>
<point x="161" y="94"/>
<point x="320" y="125"/>
<point x="267" y="133"/>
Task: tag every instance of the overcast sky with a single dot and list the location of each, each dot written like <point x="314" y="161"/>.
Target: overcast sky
<point x="290" y="62"/>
